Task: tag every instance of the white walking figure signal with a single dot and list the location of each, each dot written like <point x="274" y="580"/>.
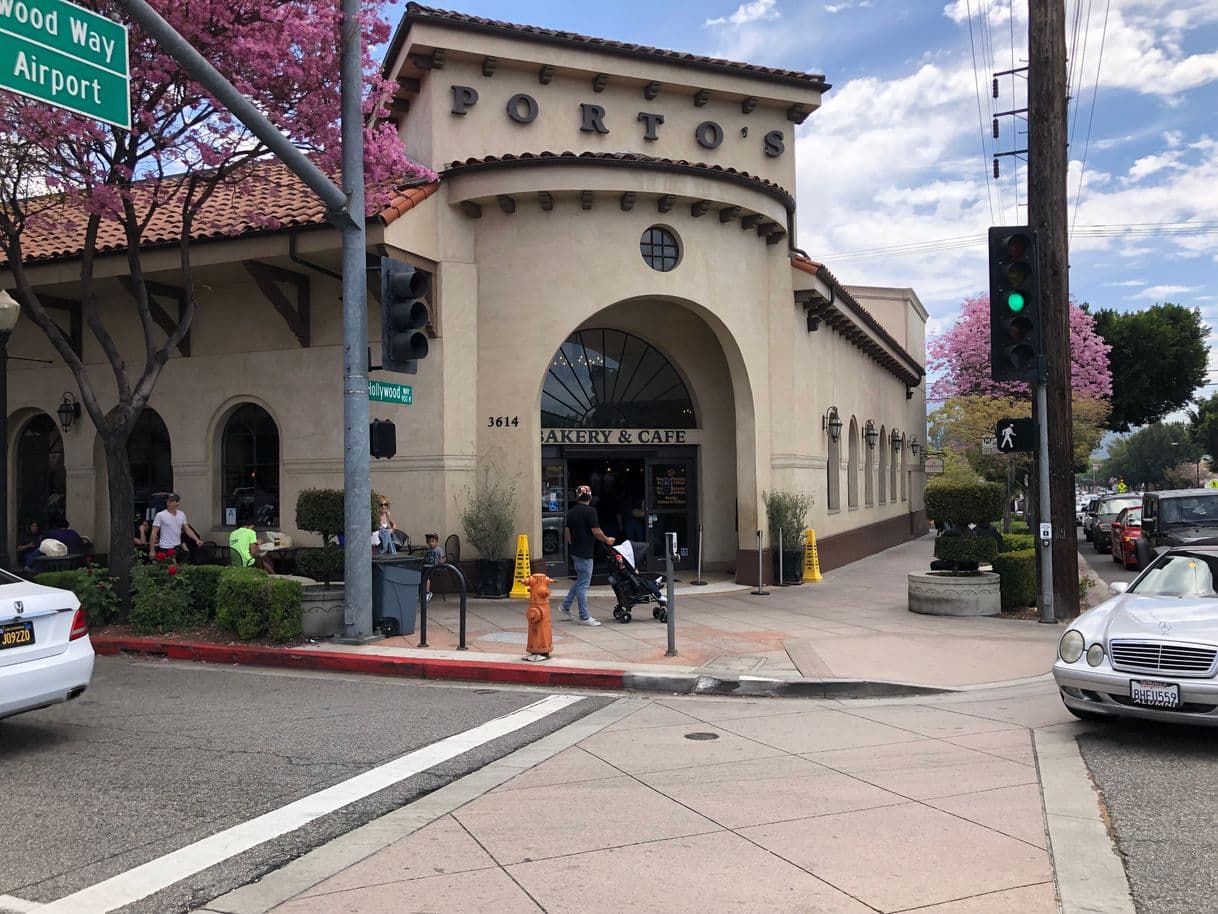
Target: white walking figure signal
<point x="1008" y="438"/>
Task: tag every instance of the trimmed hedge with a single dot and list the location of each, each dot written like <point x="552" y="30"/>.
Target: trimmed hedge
<point x="1017" y="571"/>
<point x="253" y="605"/>
<point x="1017" y="542"/>
<point x="163" y="601"/>
<point x="203" y="581"/>
<point x="94" y="588"/>
<point x="965" y="503"/>
<point x="980" y="549"/>
<point x="324" y="564"/>
<point x="1018" y="526"/>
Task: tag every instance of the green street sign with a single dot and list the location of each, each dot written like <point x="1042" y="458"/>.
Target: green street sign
<point x="384" y="392"/>
<point x="63" y="54"/>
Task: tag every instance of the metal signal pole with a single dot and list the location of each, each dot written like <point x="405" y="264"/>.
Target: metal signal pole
<point x="1047" y="214"/>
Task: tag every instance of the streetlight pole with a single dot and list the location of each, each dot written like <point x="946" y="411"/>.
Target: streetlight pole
<point x="9" y="312"/>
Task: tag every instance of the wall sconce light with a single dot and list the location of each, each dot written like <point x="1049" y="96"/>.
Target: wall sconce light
<point x="832" y="422"/>
<point x="913" y="446"/>
<point x="872" y="434"/>
<point x="69" y="411"/>
<point x="898" y="442"/>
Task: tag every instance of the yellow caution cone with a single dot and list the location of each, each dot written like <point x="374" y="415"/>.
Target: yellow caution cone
<point x="811" y="559"/>
<point x="524" y="568"/>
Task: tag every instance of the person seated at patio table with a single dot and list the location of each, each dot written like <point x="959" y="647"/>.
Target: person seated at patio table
<point x="245" y="541"/>
<point x="143" y="531"/>
<point x="32" y="538"/>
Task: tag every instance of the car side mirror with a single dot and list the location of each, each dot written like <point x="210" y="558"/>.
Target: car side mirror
<point x="1116" y="588"/>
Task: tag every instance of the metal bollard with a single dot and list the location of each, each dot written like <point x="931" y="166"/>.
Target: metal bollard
<point x="781" y="577"/>
<point x="760" y="591"/>
<point x="670" y="546"/>
<point x="699" y="582"/>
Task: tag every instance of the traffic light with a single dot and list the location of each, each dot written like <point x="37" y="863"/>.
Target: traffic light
<point x="403" y="315"/>
<point x="382" y="438"/>
<point x="1015" y="311"/>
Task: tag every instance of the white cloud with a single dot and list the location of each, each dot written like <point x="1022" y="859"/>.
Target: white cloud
<point x="1128" y="283"/>
<point x="835" y="8"/>
<point x="1160" y="293"/>
<point x="754" y="11"/>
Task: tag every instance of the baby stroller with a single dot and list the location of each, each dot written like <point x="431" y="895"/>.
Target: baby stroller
<point x="631" y="588"/>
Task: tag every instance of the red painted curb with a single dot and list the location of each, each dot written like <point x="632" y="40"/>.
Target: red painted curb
<point x="376" y="664"/>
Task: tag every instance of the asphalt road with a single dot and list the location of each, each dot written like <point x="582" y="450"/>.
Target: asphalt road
<point x="1160" y="783"/>
<point x="157" y="755"/>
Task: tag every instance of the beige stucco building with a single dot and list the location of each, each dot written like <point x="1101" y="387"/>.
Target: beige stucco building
<point x="618" y="299"/>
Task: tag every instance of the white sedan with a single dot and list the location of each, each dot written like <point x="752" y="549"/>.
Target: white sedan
<point x="1152" y="650"/>
<point x="45" y="653"/>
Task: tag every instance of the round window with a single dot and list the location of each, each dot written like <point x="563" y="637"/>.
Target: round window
<point x="660" y="249"/>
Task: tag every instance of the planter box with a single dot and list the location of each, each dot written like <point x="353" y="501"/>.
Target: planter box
<point x="939" y="593"/>
<point x="322" y="611"/>
<point x="792" y="567"/>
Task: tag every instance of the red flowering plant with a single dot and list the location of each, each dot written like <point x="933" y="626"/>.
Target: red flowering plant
<point x="163" y="600"/>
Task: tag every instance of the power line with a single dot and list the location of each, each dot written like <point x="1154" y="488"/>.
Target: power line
<point x="980" y="116"/>
<point x="1091" y="118"/>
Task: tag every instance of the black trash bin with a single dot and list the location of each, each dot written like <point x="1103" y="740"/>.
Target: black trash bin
<point x="395" y="593"/>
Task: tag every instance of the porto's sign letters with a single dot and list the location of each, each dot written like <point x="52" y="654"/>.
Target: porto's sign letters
<point x="524" y="109"/>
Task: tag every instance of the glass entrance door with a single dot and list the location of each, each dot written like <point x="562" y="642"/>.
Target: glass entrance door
<point x="553" y="512"/>
<point x="672" y="501"/>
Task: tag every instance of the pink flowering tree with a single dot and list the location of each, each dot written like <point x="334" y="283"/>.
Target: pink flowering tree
<point x="82" y="182"/>
<point x="972" y="402"/>
<point x="959" y="358"/>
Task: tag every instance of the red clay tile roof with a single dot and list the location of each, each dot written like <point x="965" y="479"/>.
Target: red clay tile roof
<point x="272" y="200"/>
<point x="620" y="158"/>
<point x="416" y="12"/>
<point x="808" y="265"/>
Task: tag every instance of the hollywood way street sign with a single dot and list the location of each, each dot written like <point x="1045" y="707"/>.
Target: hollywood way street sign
<point x="387" y="392"/>
<point x="65" y="55"/>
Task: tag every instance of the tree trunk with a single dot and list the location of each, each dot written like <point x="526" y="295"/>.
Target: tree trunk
<point x="121" y="488"/>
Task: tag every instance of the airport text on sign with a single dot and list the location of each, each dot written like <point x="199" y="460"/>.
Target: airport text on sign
<point x="62" y="54"/>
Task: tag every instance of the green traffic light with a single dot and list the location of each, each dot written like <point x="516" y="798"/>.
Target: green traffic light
<point x="1015" y="302"/>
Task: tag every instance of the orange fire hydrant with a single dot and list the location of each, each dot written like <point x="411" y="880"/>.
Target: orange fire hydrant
<point x="540" y="636"/>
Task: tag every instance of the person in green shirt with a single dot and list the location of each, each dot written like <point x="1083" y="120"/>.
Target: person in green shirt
<point x="245" y="541"/>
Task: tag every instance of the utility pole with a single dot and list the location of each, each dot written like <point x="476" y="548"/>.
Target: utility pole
<point x="1048" y="216"/>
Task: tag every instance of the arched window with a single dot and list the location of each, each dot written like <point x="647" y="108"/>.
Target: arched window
<point x="42" y="480"/>
<point x="892" y="470"/>
<point x="882" y="447"/>
<point x="151" y="459"/>
<point x="833" y="470"/>
<point x="869" y="469"/>
<point x="611" y="379"/>
<point x="852" y="465"/>
<point x="904" y="469"/>
<point x="250" y="465"/>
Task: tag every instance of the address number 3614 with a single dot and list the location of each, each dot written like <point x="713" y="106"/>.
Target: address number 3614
<point x="502" y="421"/>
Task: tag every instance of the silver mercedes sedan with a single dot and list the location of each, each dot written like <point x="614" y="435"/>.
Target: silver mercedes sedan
<point x="1152" y="650"/>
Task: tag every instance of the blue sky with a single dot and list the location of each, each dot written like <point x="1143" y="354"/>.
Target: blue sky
<point x="895" y="155"/>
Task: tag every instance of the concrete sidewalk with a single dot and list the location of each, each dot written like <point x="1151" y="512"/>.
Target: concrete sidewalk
<point x="854" y="625"/>
<point x="694" y="804"/>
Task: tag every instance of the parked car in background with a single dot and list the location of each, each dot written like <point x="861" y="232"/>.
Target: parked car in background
<point x="1126" y="530"/>
<point x="1178" y="517"/>
<point x="1089" y="518"/>
<point x="45" y="653"/>
<point x="1152" y="650"/>
<point x="1105" y="513"/>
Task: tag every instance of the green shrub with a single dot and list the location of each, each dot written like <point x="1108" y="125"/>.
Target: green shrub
<point x="321" y="511"/>
<point x="980" y="549"/>
<point x="162" y="599"/>
<point x="203" y="581"/>
<point x="1018" y="573"/>
<point x="253" y="605"/>
<point x="94" y="588"/>
<point x="787" y="511"/>
<point x="325" y="564"/>
<point x="965" y="503"/>
<point x="1018" y="526"/>
<point x="489" y="515"/>
<point x="1017" y="542"/>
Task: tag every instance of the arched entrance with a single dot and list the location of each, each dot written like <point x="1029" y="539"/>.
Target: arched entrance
<point x="618" y="415"/>
<point x="151" y="457"/>
<point x="42" y="480"/>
